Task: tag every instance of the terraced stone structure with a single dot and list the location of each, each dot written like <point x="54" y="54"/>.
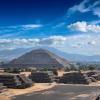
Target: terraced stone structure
<point x="15" y="80"/>
<point x="42" y="77"/>
<point x="39" y="58"/>
<point x="94" y="74"/>
<point x="75" y="78"/>
<point x="91" y="73"/>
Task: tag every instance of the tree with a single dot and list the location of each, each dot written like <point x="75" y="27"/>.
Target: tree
<point x="16" y="70"/>
<point x="73" y="67"/>
<point x="2" y="63"/>
<point x="55" y="72"/>
<point x="91" y="67"/>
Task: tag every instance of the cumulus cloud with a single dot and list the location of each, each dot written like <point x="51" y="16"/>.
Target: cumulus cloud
<point x="78" y="26"/>
<point x="85" y="6"/>
<point x="53" y="40"/>
<point x="17" y="43"/>
<point x="76" y="44"/>
<point x="84" y="27"/>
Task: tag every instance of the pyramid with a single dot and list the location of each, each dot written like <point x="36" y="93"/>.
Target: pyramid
<point x="39" y="58"/>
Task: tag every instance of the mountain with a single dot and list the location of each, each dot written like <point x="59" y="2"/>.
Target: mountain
<point x="39" y="58"/>
<point x="8" y="55"/>
<point x="77" y="57"/>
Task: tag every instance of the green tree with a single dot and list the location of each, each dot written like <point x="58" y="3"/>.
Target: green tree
<point x="55" y="72"/>
<point x="91" y="67"/>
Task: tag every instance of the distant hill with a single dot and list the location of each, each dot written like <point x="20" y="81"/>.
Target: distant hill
<point x="76" y="57"/>
<point x="8" y="55"/>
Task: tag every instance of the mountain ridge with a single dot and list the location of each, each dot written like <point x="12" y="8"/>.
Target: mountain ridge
<point x="8" y="55"/>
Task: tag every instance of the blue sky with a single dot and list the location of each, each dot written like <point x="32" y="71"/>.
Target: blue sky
<point x="70" y="26"/>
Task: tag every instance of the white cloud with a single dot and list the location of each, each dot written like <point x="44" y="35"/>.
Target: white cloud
<point x="77" y="45"/>
<point x="92" y="42"/>
<point x="81" y="7"/>
<point x="18" y="30"/>
<point x="53" y="40"/>
<point x="17" y="43"/>
<point x="84" y="27"/>
<point x="85" y="6"/>
<point x="82" y="44"/>
<point x="20" y="27"/>
<point x="59" y="25"/>
<point x="29" y="26"/>
<point x="78" y="26"/>
<point x="96" y="11"/>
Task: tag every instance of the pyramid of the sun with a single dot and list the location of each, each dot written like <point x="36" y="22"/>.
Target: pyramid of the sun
<point x="39" y="58"/>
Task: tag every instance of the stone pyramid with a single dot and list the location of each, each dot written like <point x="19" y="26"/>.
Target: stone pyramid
<point x="40" y="58"/>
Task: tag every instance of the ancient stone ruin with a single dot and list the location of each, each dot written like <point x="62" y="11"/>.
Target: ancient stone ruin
<point x="75" y="78"/>
<point x="42" y="77"/>
<point x="94" y="74"/>
<point x="15" y="80"/>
